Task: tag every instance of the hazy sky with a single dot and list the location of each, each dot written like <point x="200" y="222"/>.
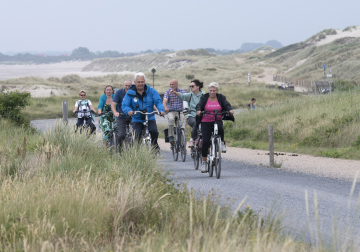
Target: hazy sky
<point x="134" y="25"/>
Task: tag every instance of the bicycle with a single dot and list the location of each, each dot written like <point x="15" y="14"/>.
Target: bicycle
<point x="146" y="134"/>
<point x="196" y="150"/>
<point x="214" y="155"/>
<point x="84" y="126"/>
<point x="179" y="144"/>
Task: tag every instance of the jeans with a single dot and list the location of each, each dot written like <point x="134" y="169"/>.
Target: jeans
<point x="88" y="121"/>
<point x="206" y="130"/>
<point x="171" y="121"/>
<point x="138" y="127"/>
<point x="192" y="123"/>
<point x="121" y="126"/>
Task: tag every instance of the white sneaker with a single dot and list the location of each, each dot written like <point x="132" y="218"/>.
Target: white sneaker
<point x="191" y="143"/>
<point x="204" y="167"/>
<point x="223" y="147"/>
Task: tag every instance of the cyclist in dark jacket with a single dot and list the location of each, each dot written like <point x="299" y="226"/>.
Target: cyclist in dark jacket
<point x="210" y="102"/>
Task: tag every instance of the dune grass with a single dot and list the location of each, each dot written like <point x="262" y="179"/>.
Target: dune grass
<point x="318" y="125"/>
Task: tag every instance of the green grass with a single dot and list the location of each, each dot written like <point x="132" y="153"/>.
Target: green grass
<point x="318" y="125"/>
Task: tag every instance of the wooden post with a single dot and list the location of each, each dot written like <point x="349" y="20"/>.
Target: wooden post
<point x="271" y="146"/>
<point x="249" y="79"/>
<point x="65" y="111"/>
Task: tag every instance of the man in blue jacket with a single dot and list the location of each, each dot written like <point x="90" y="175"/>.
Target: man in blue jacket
<point x="143" y="97"/>
<point x="121" y="121"/>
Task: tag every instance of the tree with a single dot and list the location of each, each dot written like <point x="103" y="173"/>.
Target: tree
<point x="11" y="104"/>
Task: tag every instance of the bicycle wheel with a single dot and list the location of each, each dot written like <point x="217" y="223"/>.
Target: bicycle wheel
<point x="210" y="162"/>
<point x="182" y="144"/>
<point x="174" y="147"/>
<point x="199" y="160"/>
<point x="115" y="142"/>
<point x="217" y="158"/>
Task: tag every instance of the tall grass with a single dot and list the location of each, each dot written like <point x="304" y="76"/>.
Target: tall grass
<point x="320" y="123"/>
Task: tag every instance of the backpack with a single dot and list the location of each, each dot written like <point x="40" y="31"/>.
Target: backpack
<point x="81" y="104"/>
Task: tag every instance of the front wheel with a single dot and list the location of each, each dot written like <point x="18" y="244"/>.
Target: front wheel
<point x="217" y="158"/>
<point x="183" y="145"/>
<point x="210" y="162"/>
<point x="174" y="146"/>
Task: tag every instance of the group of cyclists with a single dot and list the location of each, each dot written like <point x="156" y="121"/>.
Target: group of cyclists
<point x="141" y="97"/>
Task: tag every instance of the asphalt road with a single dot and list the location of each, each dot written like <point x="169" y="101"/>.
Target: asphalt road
<point x="269" y="189"/>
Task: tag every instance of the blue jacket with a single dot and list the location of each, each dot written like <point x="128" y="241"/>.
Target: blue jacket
<point x="102" y="101"/>
<point x="134" y="102"/>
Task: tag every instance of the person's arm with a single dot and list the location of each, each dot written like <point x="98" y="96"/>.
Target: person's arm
<point x="125" y="106"/>
<point x="158" y="103"/>
<point x="76" y="108"/>
<point x="227" y="105"/>
<point x="113" y="108"/>
<point x="101" y="103"/>
<point x="183" y="96"/>
<point x="200" y="105"/>
<point x="92" y="108"/>
<point x="164" y="104"/>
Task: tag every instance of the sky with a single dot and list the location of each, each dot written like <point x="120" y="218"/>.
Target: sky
<point x="135" y="25"/>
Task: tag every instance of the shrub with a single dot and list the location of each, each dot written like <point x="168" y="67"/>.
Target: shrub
<point x="343" y="85"/>
<point x="11" y="104"/>
<point x="71" y="78"/>
<point x="189" y="76"/>
<point x="239" y="134"/>
<point x="54" y="79"/>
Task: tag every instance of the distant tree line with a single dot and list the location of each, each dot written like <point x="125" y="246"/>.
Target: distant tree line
<point x="83" y="53"/>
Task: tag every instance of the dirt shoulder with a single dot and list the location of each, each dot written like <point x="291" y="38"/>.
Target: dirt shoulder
<point x="318" y="166"/>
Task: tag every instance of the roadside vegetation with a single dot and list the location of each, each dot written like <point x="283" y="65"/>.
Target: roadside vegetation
<point x="326" y="125"/>
<point x="62" y="192"/>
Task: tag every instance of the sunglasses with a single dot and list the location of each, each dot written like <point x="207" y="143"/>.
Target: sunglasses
<point x="192" y="86"/>
<point x="82" y="95"/>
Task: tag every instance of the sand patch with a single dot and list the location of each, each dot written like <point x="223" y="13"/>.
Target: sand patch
<point x="37" y="90"/>
<point x="340" y="34"/>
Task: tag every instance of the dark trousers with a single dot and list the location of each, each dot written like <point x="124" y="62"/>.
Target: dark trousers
<point x="206" y="130"/>
<point x="138" y="127"/>
<point x="192" y="123"/>
<point x="121" y="126"/>
<point x="88" y="121"/>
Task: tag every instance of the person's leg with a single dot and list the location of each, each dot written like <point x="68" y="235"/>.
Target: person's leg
<point x="182" y="118"/>
<point x="206" y="135"/>
<point x="90" y="124"/>
<point x="137" y="130"/>
<point x="80" y="122"/>
<point x="171" y="123"/>
<point x="121" y="127"/>
<point x="154" y="134"/>
<point x="192" y="123"/>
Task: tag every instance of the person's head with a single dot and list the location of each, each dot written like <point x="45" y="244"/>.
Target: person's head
<point x="82" y="95"/>
<point x="213" y="89"/>
<point x="196" y="85"/>
<point x="253" y="100"/>
<point x="139" y="79"/>
<point x="127" y="85"/>
<point x="174" y="84"/>
<point x="109" y="90"/>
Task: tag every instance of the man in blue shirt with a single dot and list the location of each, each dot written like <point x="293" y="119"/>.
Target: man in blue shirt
<point x="143" y="97"/>
<point x="121" y="121"/>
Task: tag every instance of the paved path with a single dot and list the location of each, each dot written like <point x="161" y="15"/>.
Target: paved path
<point x="267" y="189"/>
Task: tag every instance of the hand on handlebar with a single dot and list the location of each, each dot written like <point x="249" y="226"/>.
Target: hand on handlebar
<point x="131" y="113"/>
<point x="162" y="114"/>
<point x="167" y="110"/>
<point x="231" y="112"/>
<point x="198" y="113"/>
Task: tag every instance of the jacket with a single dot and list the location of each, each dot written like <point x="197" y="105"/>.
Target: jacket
<point x="119" y="97"/>
<point x="193" y="102"/>
<point x="134" y="102"/>
<point x="225" y="106"/>
<point x="102" y="101"/>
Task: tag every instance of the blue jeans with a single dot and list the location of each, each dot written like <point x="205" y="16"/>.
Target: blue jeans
<point x="88" y="121"/>
<point x="138" y="127"/>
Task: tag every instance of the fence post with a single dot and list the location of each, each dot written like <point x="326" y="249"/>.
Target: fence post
<point x="271" y="146"/>
<point x="65" y="111"/>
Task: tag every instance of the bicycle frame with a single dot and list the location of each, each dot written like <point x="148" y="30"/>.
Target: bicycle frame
<point x="147" y="137"/>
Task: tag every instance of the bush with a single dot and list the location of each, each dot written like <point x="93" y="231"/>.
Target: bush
<point x="71" y="78"/>
<point x="343" y="85"/>
<point x="189" y="76"/>
<point x="11" y="104"/>
<point x="239" y="134"/>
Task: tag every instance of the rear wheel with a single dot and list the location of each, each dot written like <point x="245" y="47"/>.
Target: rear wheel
<point x="199" y="160"/>
<point x="193" y="156"/>
<point x="183" y="145"/>
<point x="217" y="158"/>
<point x="174" y="146"/>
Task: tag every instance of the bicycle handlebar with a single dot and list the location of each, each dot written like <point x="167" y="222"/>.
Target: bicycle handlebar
<point x="146" y="113"/>
<point x="222" y="113"/>
<point x="91" y="111"/>
<point x="185" y="111"/>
